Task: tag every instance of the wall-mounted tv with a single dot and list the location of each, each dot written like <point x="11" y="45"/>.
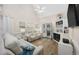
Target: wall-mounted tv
<point x="73" y="15"/>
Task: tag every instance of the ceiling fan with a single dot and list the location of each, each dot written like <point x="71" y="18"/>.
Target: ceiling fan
<point x="39" y="9"/>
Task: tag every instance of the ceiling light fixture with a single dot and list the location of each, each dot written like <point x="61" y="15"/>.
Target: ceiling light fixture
<point x="39" y="9"/>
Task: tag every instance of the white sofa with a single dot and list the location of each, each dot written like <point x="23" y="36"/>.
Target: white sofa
<point x="33" y="36"/>
<point x="33" y="32"/>
<point x="12" y="46"/>
<point x="30" y="35"/>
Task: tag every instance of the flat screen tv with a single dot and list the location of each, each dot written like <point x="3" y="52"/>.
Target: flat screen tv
<point x="73" y="15"/>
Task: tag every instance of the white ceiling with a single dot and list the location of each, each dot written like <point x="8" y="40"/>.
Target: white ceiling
<point x="51" y="9"/>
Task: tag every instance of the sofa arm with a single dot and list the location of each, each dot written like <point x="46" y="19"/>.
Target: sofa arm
<point x="38" y="50"/>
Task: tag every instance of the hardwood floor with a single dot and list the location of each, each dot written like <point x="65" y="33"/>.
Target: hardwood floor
<point x="50" y="47"/>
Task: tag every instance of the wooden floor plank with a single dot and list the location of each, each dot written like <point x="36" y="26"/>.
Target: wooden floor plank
<point x="50" y="47"/>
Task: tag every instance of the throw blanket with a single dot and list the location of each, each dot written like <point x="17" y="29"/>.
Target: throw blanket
<point x="27" y="50"/>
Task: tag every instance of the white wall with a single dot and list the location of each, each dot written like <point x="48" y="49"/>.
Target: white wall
<point x="19" y="12"/>
<point x="1" y="21"/>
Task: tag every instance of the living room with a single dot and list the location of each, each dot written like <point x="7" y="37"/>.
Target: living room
<point x="41" y="28"/>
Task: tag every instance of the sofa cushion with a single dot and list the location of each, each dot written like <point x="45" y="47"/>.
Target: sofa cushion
<point x="11" y="42"/>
